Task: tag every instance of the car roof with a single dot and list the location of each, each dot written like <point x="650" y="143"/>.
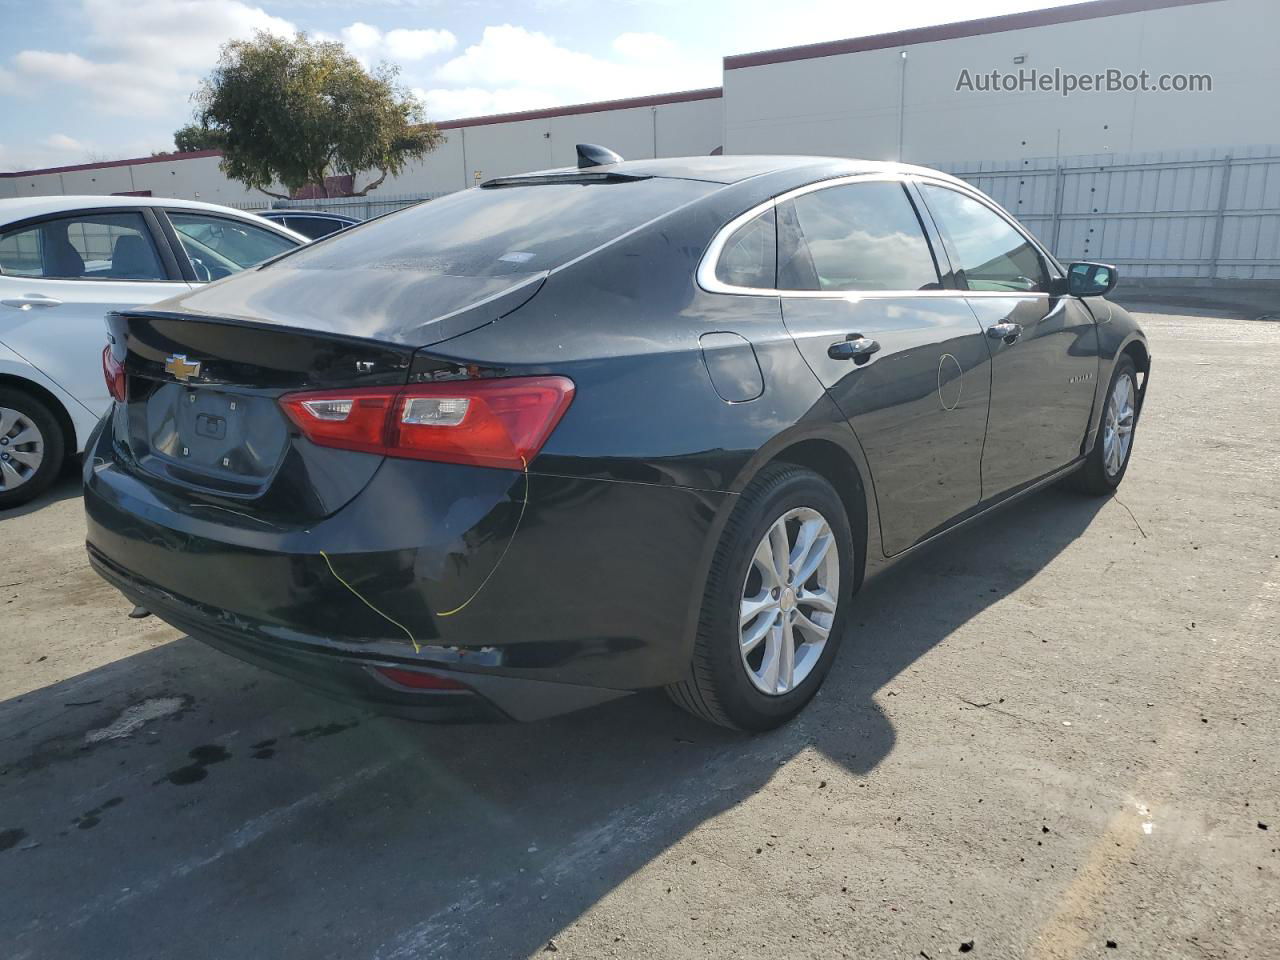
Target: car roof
<point x="733" y="169"/>
<point x="20" y="208"/>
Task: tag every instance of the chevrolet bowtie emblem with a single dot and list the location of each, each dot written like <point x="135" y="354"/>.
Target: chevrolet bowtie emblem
<point x="181" y="367"/>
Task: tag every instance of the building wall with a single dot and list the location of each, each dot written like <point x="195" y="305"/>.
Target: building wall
<point x="878" y="104"/>
<point x="196" y="178"/>
<point x="490" y="149"/>
<point x="471" y="147"/>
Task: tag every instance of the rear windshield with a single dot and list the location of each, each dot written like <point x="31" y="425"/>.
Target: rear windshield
<point x="496" y="231"/>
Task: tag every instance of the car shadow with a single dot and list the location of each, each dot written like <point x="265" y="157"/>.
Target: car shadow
<point x="69" y="484"/>
<point x="183" y="803"/>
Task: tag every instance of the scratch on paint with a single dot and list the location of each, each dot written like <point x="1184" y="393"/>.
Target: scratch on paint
<point x="361" y="597"/>
<point x="446" y="613"/>
<point x="520" y="519"/>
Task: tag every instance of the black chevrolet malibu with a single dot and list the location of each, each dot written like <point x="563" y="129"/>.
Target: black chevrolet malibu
<point x="584" y="432"/>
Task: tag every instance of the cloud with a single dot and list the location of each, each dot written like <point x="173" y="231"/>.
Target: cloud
<point x="132" y="69"/>
<point x="115" y="88"/>
<point x="60" y="141"/>
<point x="443" y="103"/>
<point x="361" y="36"/>
<point x="60" y="149"/>
<point x="512" y="65"/>
<point x="399" y="45"/>
<point x="643" y="46"/>
<point x="418" y="44"/>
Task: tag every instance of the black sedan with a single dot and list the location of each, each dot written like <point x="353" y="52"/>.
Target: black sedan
<point x="584" y="432"/>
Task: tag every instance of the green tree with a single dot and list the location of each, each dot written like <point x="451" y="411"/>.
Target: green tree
<point x="295" y="110"/>
<point x="195" y="136"/>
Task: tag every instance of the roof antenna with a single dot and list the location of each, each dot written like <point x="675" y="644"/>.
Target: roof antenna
<point x="593" y="155"/>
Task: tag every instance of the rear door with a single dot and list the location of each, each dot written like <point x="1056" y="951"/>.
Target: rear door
<point x="60" y="276"/>
<point x="902" y="355"/>
<point x="1044" y="346"/>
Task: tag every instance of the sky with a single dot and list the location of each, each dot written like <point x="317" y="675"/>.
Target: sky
<point x="87" y="80"/>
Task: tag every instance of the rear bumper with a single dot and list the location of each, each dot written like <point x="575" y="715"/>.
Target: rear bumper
<point x="353" y="676"/>
<point x="542" y="602"/>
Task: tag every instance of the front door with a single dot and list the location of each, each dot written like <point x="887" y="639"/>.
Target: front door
<point x="905" y="360"/>
<point x="1044" y="347"/>
<point x="60" y="276"/>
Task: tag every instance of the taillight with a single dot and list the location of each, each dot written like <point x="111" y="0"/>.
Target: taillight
<point x="484" y="423"/>
<point x="113" y="373"/>
<point x="355" y="421"/>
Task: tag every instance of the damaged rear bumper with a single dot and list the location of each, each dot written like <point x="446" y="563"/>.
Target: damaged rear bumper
<point x="540" y="594"/>
<point x="353" y="674"/>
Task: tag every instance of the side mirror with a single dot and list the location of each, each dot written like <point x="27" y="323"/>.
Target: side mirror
<point x="1085" y="279"/>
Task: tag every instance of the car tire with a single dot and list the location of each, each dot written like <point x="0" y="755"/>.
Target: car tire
<point x="728" y="686"/>
<point x="27" y="466"/>
<point x="1105" y="466"/>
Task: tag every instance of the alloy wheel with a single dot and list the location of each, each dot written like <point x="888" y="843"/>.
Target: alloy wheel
<point x="21" y="449"/>
<point x="789" y="601"/>
<point x="1117" y="428"/>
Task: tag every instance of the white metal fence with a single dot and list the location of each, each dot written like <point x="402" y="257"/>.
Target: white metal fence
<point x="362" y="208"/>
<point x="1206" y="214"/>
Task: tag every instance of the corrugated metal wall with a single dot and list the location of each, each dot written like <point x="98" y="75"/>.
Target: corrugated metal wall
<point x="1182" y="214"/>
<point x="1195" y="214"/>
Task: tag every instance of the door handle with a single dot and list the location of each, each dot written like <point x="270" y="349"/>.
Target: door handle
<point x="31" y="300"/>
<point x="855" y="347"/>
<point x="1006" y="331"/>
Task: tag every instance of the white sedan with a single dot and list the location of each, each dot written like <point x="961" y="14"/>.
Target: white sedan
<point x="65" y="262"/>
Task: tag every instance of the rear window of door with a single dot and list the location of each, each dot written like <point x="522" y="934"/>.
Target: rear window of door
<point x="988" y="253"/>
<point x="856" y="236"/>
<point x="219" y="246"/>
<point x="87" y="246"/>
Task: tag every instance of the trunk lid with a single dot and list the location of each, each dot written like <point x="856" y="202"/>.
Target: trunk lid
<point x="202" y="412"/>
<point x="389" y="303"/>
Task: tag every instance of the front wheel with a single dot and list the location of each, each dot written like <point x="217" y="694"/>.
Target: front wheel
<point x="1107" y="462"/>
<point x="31" y="447"/>
<point x="774" y="607"/>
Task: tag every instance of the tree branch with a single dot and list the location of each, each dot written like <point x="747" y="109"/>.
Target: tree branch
<point x="278" y="196"/>
<point x="370" y="186"/>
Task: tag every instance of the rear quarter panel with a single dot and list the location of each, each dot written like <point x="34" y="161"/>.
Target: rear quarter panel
<point x="625" y="326"/>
